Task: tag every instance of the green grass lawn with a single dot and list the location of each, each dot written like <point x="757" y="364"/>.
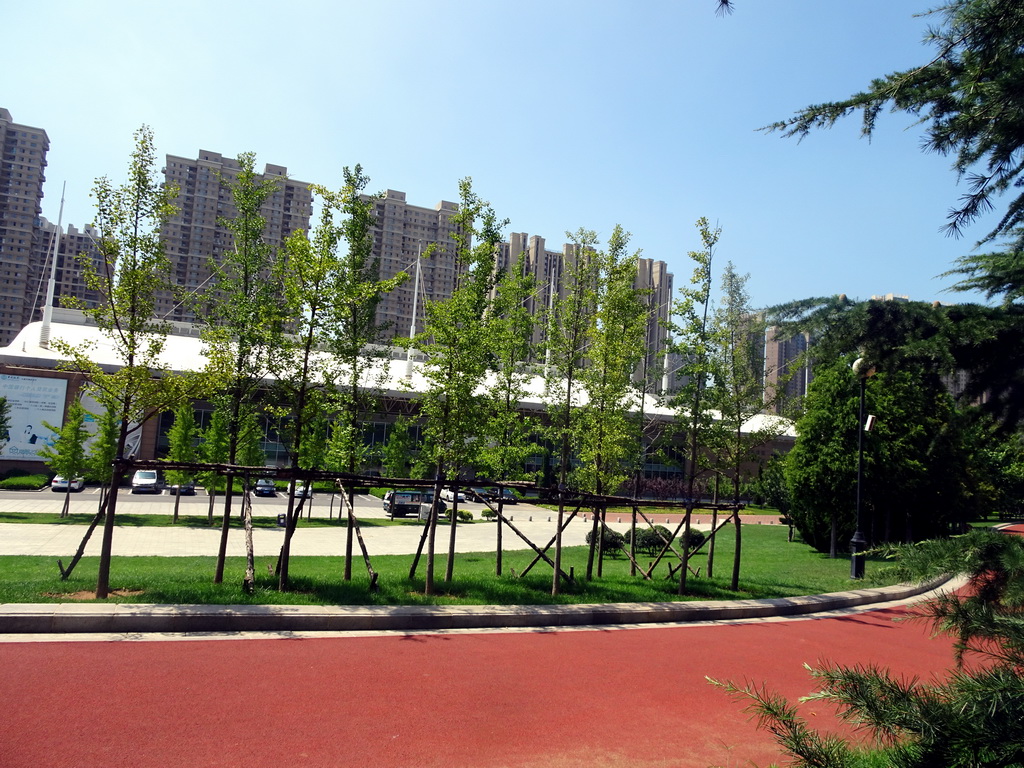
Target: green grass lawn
<point x="771" y="567"/>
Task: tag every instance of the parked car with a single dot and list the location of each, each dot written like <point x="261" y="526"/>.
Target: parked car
<point x="402" y="502"/>
<point x="426" y="501"/>
<point x="304" y="491"/>
<point x="146" y="481"/>
<point x="188" y="488"/>
<point x="59" y="484"/>
<point x="265" y="486"/>
<point x="449" y="495"/>
<point x="479" y="494"/>
<point x="508" y="497"/>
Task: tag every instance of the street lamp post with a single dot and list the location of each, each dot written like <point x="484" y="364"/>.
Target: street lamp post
<point x="859" y="543"/>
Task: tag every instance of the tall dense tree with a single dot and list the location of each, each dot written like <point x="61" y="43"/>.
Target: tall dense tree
<point x="969" y="100"/>
<point x="130" y="269"/>
<point x="456" y="344"/>
<point x="914" y="458"/>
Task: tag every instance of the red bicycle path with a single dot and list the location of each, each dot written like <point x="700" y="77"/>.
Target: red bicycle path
<point x="598" y="698"/>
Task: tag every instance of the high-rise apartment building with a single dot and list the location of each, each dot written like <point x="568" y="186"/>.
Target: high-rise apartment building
<point x="22" y="162"/>
<point x="403" y="231"/>
<point x="194" y="238"/>
<point x="787" y="370"/>
<point x="69" y="278"/>
<point x="401" y="234"/>
<point x="654" y="279"/>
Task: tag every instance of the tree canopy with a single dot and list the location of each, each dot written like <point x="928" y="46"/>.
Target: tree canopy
<point x="969" y="98"/>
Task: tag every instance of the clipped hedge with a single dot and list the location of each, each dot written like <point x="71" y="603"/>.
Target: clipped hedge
<point x="25" y="483"/>
<point x="612" y="542"/>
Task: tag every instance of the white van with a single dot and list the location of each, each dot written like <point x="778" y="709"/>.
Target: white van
<point x="146" y="481"/>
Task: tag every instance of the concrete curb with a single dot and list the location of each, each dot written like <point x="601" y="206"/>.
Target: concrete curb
<point x="48" y="618"/>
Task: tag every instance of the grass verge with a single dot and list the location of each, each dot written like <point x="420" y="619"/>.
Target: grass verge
<point x="771" y="567"/>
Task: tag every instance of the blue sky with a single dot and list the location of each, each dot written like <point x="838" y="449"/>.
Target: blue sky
<point x="566" y="114"/>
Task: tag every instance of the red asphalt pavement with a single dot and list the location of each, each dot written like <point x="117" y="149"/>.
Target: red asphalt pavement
<point x="595" y="698"/>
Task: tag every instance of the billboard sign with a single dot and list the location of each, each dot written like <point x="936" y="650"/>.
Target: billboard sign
<point x="31" y="400"/>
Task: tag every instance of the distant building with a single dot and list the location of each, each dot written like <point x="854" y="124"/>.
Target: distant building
<point x="194" y="238"/>
<point x="401" y="235"/>
<point x="787" y="369"/>
<point x="404" y="231"/>
<point x="22" y="238"/>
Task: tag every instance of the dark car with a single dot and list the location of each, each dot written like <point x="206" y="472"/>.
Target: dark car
<point x="183" y="489"/>
<point x="265" y="487"/>
<point x="479" y="494"/>
<point x="402" y="502"/>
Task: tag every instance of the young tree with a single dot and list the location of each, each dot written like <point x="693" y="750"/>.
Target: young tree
<point x="213" y="449"/>
<point x="397" y="451"/>
<point x="456" y="344"/>
<point x="181" y="440"/>
<point x="615" y="349"/>
<point x="334" y="298"/>
<point x="245" y="323"/>
<point x="103" y="449"/>
<point x="66" y="457"/>
<point x="508" y="434"/>
<point x="737" y="392"/>
<point x="353" y="334"/>
<point x="690" y="341"/>
<point x="130" y="270"/>
<point x="568" y="324"/>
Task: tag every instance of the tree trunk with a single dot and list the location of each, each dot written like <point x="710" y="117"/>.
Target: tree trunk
<point x="101" y="512"/>
<point x="249" y="581"/>
<point x="449" y="571"/>
<point x="595" y="535"/>
<point x="499" y="521"/>
<point x="291" y="518"/>
<point x="735" y="585"/>
<point x="428" y="586"/>
<point x="212" y="493"/>
<point x="222" y="549"/>
<point x="351" y="518"/>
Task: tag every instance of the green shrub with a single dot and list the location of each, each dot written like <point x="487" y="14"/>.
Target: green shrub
<point x="612" y="542"/>
<point x="465" y="516"/>
<point x="488" y="514"/>
<point x="695" y="540"/>
<point x="25" y="482"/>
<point x="648" y="540"/>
